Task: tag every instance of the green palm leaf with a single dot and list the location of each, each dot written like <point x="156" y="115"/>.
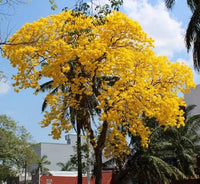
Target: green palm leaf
<point x="169" y="3"/>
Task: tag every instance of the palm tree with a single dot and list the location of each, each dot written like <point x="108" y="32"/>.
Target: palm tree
<point x="184" y="142"/>
<point x="147" y="165"/>
<point x="43" y="162"/>
<point x="68" y="166"/>
<point x="192" y="36"/>
<point x="40" y="169"/>
<point x="171" y="154"/>
<point x="79" y="118"/>
<point x="74" y="118"/>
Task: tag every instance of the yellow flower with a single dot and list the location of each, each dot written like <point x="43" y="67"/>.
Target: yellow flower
<point x="113" y="63"/>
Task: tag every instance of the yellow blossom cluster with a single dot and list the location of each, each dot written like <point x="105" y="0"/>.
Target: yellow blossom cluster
<point x="112" y="62"/>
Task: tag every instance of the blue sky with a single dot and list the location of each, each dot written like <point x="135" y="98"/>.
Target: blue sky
<point x="166" y="27"/>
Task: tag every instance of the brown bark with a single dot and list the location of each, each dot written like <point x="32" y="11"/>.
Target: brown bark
<point x="99" y="152"/>
<point x="98" y="167"/>
<point x="79" y="152"/>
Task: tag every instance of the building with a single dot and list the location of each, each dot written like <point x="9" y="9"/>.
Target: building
<point x="71" y="179"/>
<point x="57" y="152"/>
<point x="193" y="98"/>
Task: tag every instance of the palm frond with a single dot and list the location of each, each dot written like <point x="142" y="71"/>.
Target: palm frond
<point x="196" y="139"/>
<point x="109" y="162"/>
<point x="186" y="141"/>
<point x="68" y="166"/>
<point x="44" y="104"/>
<point x="192" y="36"/>
<point x="169" y="3"/>
<point x="171" y="132"/>
<point x="192" y="4"/>
<point x="155" y="168"/>
<point x="156" y="134"/>
<point x="192" y="126"/>
<point x="60" y="164"/>
<point x="188" y="110"/>
<point x="45" y="86"/>
<point x="196" y="52"/>
<point x="160" y="146"/>
<point x="192" y="29"/>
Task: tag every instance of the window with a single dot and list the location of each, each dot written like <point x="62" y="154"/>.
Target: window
<point x="48" y="181"/>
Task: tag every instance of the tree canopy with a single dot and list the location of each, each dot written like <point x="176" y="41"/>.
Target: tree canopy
<point x="51" y="47"/>
<point x="110" y="59"/>
<point x="15" y="150"/>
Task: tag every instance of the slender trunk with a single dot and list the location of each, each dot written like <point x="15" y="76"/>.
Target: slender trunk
<point x="79" y="152"/>
<point x="38" y="174"/>
<point x="99" y="152"/>
<point x="88" y="160"/>
<point x="25" y="171"/>
<point x="98" y="166"/>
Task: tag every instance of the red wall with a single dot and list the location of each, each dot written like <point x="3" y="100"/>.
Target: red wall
<point x="106" y="179"/>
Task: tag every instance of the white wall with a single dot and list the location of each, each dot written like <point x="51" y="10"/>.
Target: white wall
<point x="56" y="152"/>
<point x="193" y="98"/>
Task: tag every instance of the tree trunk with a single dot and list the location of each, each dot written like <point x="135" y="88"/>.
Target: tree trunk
<point x="88" y="160"/>
<point x="25" y="172"/>
<point x="98" y="166"/>
<point x="98" y="150"/>
<point x="79" y="152"/>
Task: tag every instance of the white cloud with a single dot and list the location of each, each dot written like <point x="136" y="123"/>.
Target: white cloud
<point x="4" y="87"/>
<point x="156" y="21"/>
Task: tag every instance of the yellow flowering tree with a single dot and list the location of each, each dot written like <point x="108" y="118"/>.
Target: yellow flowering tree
<point x="113" y="63"/>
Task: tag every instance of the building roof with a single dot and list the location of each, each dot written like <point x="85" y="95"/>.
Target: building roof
<point x="63" y="173"/>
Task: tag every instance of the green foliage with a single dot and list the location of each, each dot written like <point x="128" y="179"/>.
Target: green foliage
<point x="68" y="166"/>
<point x="43" y="162"/>
<point x="53" y="4"/>
<point x="148" y="164"/>
<point x="115" y="4"/>
<point x="192" y="36"/>
<point x="171" y="154"/>
<point x="4" y="170"/>
<point x="97" y="9"/>
<point x="73" y="162"/>
<point x="15" y="149"/>
<point x="2" y="77"/>
<point x="184" y="143"/>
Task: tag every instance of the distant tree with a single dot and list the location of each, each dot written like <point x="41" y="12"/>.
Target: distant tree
<point x="68" y="166"/>
<point x="42" y="163"/>
<point x="96" y="8"/>
<point x="8" y="9"/>
<point x="15" y="148"/>
<point x="85" y="157"/>
<point x="39" y="168"/>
